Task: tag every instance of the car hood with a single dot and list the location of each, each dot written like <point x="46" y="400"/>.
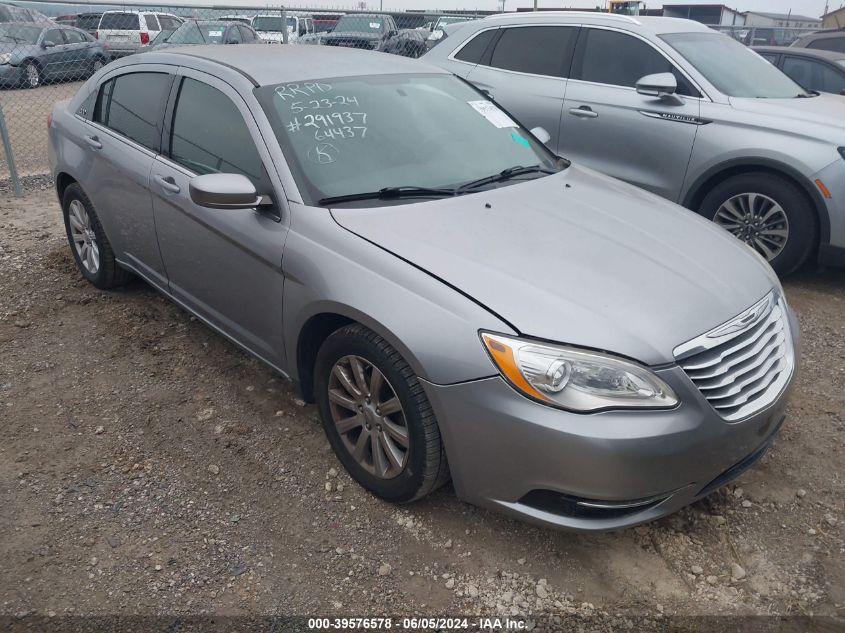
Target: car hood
<point x="578" y="258"/>
<point x="12" y="47"/>
<point x="824" y="111"/>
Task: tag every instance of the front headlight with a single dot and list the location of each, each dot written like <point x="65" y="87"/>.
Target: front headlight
<point x="574" y="379"/>
<point x="5" y="58"/>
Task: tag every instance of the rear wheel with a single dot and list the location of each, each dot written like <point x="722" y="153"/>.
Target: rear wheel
<point x="377" y="417"/>
<point x="88" y="242"/>
<point x="769" y="213"/>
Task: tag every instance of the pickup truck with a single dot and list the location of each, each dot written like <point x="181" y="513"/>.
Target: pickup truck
<point x="370" y="31"/>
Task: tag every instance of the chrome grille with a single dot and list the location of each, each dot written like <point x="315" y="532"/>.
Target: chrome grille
<point x="743" y="365"/>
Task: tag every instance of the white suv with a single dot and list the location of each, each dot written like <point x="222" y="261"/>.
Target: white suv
<point x="270" y="29"/>
<point x="127" y="32"/>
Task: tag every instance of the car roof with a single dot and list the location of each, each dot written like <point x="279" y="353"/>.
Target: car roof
<point x="290" y="62"/>
<point x="655" y="25"/>
<point x="801" y="52"/>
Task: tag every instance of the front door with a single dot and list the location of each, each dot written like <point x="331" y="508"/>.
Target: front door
<point x="225" y="265"/>
<point x="525" y="73"/>
<point x="608" y="126"/>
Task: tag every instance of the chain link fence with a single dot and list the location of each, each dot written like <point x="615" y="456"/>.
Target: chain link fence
<point x="45" y="59"/>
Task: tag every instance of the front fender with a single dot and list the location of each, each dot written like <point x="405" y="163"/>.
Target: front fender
<point x="330" y="270"/>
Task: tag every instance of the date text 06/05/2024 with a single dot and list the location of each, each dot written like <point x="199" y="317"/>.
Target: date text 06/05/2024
<point x="418" y="624"/>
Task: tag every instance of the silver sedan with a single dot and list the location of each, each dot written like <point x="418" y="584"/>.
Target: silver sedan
<point x="458" y="301"/>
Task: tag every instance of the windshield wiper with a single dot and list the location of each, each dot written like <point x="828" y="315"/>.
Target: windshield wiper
<point x="505" y="174"/>
<point x="389" y="193"/>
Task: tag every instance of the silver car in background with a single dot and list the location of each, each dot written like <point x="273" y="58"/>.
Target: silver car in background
<point x="461" y="302"/>
<point x="675" y="108"/>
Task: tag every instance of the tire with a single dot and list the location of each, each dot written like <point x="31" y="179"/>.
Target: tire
<point x="84" y="230"/>
<point x="32" y="75"/>
<point x="96" y="64"/>
<point x="734" y="197"/>
<point x="424" y="468"/>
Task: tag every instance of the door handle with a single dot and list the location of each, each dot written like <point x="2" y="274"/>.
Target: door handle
<point x="168" y="184"/>
<point x="584" y="112"/>
<point x="94" y="142"/>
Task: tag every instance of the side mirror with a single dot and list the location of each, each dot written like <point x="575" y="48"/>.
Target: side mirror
<point x="224" y="191"/>
<point x="660" y="85"/>
<point x="541" y="134"/>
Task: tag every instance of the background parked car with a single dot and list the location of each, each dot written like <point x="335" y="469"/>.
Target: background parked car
<point x="244" y="19"/>
<point x="127" y="32"/>
<point x="198" y="32"/>
<point x="446" y="20"/>
<point x="270" y="27"/>
<point x="88" y="22"/>
<point x="10" y="12"/>
<point x="361" y="30"/>
<point x="325" y="22"/>
<point x="824" y="40"/>
<point x="728" y="135"/>
<point x="407" y="43"/>
<point x="813" y="69"/>
<point x="31" y="54"/>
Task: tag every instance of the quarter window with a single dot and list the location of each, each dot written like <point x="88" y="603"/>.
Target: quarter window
<point x="131" y="105"/>
<point x="473" y="51"/>
<point x="609" y="57"/>
<point x="539" y="50"/>
<point x="168" y="23"/>
<point x="152" y="22"/>
<point x="209" y="134"/>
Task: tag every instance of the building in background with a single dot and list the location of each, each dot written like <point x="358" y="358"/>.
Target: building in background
<point x="781" y="20"/>
<point x="710" y="14"/>
<point x="835" y="19"/>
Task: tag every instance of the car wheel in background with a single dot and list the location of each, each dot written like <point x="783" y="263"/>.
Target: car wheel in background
<point x="32" y="77"/>
<point x="97" y="64"/>
<point x="767" y="212"/>
<point x="377" y="416"/>
<point x="88" y="242"/>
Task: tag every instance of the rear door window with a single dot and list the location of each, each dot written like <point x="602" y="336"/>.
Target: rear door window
<point x="120" y="22"/>
<point x="473" y="51"/>
<point x="617" y="59"/>
<point x="209" y="134"/>
<point x="132" y="105"/>
<point x="813" y="75"/>
<point x="54" y="37"/>
<point x="539" y="50"/>
<point x="74" y="37"/>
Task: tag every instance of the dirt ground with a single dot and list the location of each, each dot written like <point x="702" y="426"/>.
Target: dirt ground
<point x="147" y="466"/>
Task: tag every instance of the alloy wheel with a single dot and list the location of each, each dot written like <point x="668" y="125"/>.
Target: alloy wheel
<point x="368" y="417"/>
<point x="83" y="236"/>
<point x="757" y="220"/>
<point x="33" y="76"/>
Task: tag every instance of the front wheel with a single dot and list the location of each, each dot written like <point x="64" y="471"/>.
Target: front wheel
<point x="377" y="417"/>
<point x="769" y="213"/>
<point x="32" y="75"/>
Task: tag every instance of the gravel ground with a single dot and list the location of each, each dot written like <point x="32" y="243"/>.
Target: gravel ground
<point x="149" y="467"/>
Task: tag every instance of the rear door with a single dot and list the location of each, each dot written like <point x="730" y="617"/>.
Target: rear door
<point x="608" y="126"/>
<point x="525" y="69"/>
<point x="223" y="264"/>
<point x="78" y="52"/>
<point x="123" y="140"/>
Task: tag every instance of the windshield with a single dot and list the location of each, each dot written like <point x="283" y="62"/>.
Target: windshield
<point x="351" y="135"/>
<point x="359" y="24"/>
<point x="193" y="33"/>
<point x="19" y="34"/>
<point x="734" y="69"/>
<point x="445" y="21"/>
<point x="269" y="23"/>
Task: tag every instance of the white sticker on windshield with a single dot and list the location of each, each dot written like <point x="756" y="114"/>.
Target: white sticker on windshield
<point x="489" y="111"/>
<point x="216" y="33"/>
<point x="375" y="25"/>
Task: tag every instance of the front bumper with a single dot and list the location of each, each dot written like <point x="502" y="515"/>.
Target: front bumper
<point x="10" y="76"/>
<point x="511" y="454"/>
